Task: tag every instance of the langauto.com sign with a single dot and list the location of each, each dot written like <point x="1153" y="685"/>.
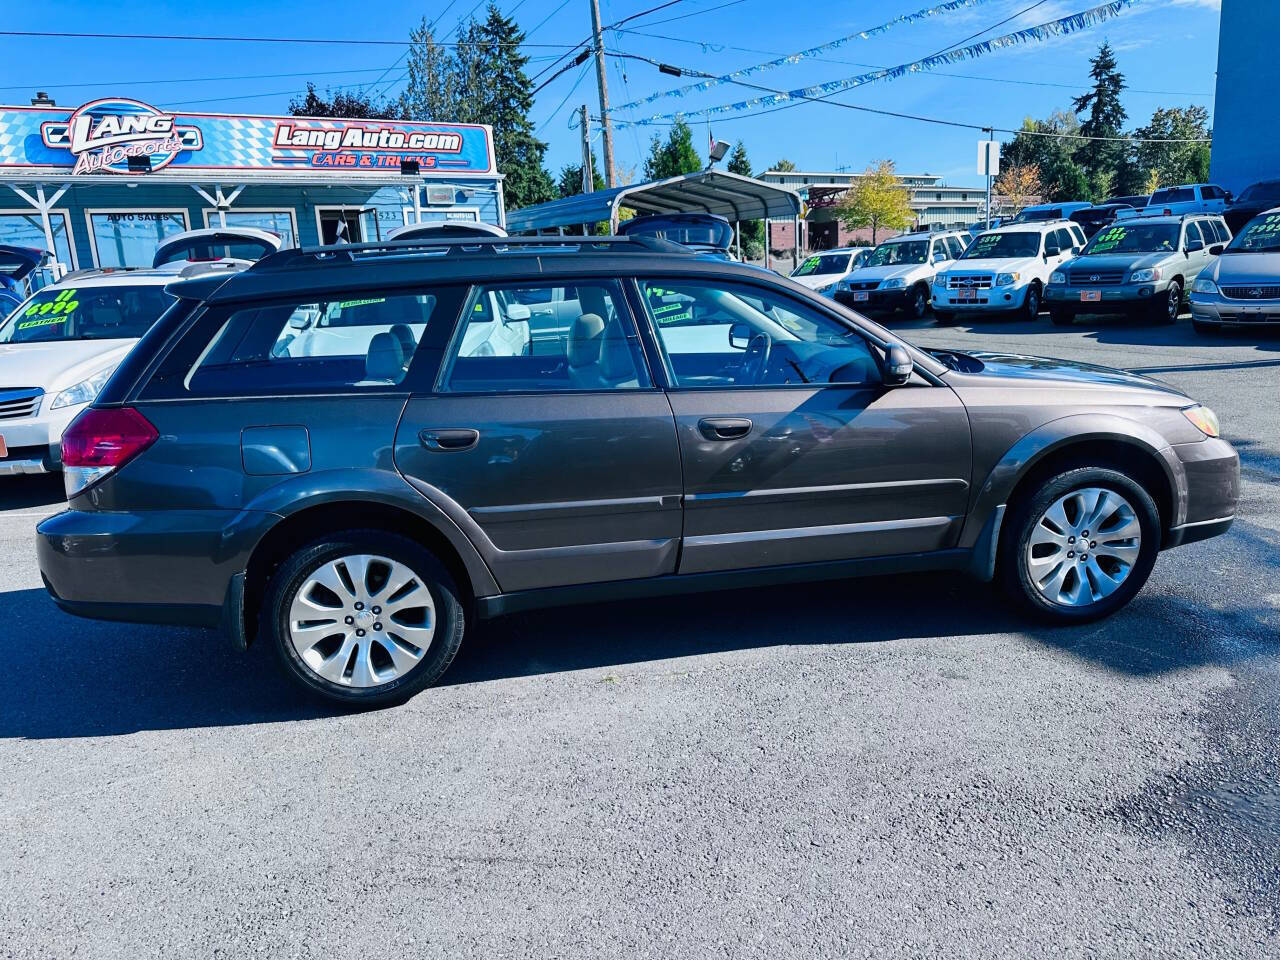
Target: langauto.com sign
<point x="103" y="135"/>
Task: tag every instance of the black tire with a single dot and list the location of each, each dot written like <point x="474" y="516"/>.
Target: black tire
<point x="450" y="620"/>
<point x="1168" y="305"/>
<point x="918" y="309"/>
<point x="1031" y="306"/>
<point x="1062" y="318"/>
<point x="943" y="318"/>
<point x="1021" y="523"/>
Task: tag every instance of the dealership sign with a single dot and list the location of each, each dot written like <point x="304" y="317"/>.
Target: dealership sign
<point x="103" y="136"/>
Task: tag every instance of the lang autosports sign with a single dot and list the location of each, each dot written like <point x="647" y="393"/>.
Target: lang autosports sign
<point x="104" y="136"/>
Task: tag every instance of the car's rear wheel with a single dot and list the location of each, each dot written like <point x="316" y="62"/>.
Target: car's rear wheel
<point x="1081" y="545"/>
<point x="1062" y="318"/>
<point x="364" y="617"/>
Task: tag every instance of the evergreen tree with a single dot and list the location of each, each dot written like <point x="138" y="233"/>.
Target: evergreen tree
<point x="782" y="166"/>
<point x="570" y="184"/>
<point x="738" y="162"/>
<point x="675" y="157"/>
<point x="750" y="233"/>
<point x="1106" y="116"/>
<point x="432" y="89"/>
<point x="1175" y="162"/>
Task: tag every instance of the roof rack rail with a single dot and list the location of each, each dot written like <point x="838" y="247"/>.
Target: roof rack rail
<point x="463" y="246"/>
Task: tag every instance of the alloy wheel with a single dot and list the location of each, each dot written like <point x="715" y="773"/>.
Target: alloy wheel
<point x="362" y="621"/>
<point x="1083" y="547"/>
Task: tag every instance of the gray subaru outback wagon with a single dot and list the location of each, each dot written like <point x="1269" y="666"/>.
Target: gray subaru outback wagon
<point x="352" y="453"/>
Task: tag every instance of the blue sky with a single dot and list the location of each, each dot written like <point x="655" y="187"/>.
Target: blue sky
<point x="1166" y="48"/>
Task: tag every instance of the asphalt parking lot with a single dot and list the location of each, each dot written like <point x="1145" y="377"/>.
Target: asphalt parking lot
<point x="892" y="767"/>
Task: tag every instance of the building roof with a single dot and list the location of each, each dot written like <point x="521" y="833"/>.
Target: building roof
<point x="730" y="195"/>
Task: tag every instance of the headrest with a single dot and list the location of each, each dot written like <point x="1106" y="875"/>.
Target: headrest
<point x="385" y="360"/>
<point x="584" y="339"/>
<point x="616" y="361"/>
<point x="404" y="336"/>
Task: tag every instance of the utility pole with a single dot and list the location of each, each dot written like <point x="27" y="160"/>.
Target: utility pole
<point x="606" y="125"/>
<point x="588" y="175"/>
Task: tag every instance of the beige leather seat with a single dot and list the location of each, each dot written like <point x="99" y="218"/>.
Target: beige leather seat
<point x="599" y="356"/>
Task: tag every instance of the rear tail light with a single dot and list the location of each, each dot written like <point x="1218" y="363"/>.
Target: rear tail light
<point x="99" y="442"/>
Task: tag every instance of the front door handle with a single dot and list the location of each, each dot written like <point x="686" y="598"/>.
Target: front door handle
<point x="724" y="428"/>
<point x="461" y="438"/>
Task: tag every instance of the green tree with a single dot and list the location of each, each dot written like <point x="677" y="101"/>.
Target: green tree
<point x="782" y="166"/>
<point x="570" y="184"/>
<point x="673" y="158"/>
<point x="432" y="89"/>
<point x="877" y="199"/>
<point x="1105" y="117"/>
<point x="336" y="103"/>
<point x="750" y="233"/>
<point x="1175" y="162"/>
<point x="1049" y="145"/>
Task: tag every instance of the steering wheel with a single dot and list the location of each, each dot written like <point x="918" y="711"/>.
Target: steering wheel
<point x="756" y="360"/>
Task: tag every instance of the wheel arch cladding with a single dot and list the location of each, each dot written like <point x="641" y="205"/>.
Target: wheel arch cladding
<point x="330" y="518"/>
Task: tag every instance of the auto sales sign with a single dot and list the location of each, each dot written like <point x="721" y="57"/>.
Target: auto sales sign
<point x="103" y="136"/>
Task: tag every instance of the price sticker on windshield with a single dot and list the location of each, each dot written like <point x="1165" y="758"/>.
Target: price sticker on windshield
<point x="1109" y="238"/>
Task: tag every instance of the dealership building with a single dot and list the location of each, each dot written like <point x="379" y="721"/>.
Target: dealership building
<point x="101" y="184"/>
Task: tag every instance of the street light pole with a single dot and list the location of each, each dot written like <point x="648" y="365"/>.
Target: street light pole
<point x="605" y="124"/>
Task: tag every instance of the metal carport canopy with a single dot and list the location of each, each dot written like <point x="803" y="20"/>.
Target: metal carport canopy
<point x="730" y="195"/>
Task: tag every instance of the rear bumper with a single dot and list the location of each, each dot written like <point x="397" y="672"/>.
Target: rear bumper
<point x="159" y="566"/>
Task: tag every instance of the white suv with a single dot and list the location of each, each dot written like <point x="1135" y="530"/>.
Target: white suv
<point x="1006" y="270"/>
<point x="61" y="345"/>
<point x="898" y="274"/>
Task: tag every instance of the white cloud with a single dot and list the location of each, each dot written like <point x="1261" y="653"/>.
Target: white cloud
<point x="1207" y="4"/>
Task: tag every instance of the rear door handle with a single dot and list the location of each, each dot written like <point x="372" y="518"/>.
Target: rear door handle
<point x="724" y="428"/>
<point x="461" y="438"/>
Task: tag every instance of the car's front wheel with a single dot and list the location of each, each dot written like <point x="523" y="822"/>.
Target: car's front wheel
<point x="1031" y="306"/>
<point x="1168" y="305"/>
<point x="1081" y="545"/>
<point x="364" y="617"/>
<point x="919" y="305"/>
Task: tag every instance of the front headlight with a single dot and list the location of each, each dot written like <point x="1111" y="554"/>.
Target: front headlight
<point x="1205" y="420"/>
<point x="829" y="288"/>
<point x="1006" y="279"/>
<point x="897" y="283"/>
<point x="1057" y="277"/>
<point x="1145" y="276"/>
<point x="1204" y="285"/>
<point x="82" y="392"/>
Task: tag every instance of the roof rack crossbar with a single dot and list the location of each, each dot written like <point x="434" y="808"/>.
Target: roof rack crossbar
<point x="462" y="246"/>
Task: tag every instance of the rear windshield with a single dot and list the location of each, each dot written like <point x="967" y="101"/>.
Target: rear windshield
<point x="901" y="252"/>
<point x="824" y="264"/>
<point x="1003" y="245"/>
<point x="1134" y="238"/>
<point x="1260" y="233"/>
<point x="87" y="313"/>
<point x="1172" y="195"/>
<point x="1049" y="213"/>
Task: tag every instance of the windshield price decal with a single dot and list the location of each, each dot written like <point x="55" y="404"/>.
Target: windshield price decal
<point x="986" y="241"/>
<point x="348" y="304"/>
<point x="51" y="312"/>
<point x="1261" y="231"/>
<point x="1111" y="237"/>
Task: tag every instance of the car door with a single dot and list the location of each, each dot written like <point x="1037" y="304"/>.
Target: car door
<point x="561" y="468"/>
<point x="794" y="451"/>
<point x="1196" y="258"/>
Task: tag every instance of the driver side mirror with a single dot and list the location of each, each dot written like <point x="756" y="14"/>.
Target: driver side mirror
<point x="299" y="321"/>
<point x="739" y="336"/>
<point x="1051" y="250"/>
<point x="898" y="366"/>
<point x="1217" y="249"/>
<point x="515" y="313"/>
<point x="1194" y="245"/>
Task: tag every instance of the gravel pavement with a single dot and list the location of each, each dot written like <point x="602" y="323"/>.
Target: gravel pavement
<point x="894" y="767"/>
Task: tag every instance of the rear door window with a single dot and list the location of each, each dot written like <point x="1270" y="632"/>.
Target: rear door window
<point x="353" y="342"/>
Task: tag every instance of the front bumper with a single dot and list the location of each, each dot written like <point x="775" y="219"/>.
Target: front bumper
<point x="1208" y="308"/>
<point x="990" y="300"/>
<point x="1212" y="471"/>
<point x="877" y="301"/>
<point x="1118" y="299"/>
<point x="35" y="444"/>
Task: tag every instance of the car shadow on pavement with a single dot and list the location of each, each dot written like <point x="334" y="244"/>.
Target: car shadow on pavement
<point x="67" y="677"/>
<point x="41" y="490"/>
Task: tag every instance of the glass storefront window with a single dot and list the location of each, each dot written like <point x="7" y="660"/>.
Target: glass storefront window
<point x="279" y="222"/>
<point x="26" y="230"/>
<point x="130" y="239"/>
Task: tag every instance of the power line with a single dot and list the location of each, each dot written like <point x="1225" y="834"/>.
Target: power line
<point x="63" y="35"/>
<point x="683" y="16"/>
<point x="551" y="116"/>
<point x="974" y="36"/>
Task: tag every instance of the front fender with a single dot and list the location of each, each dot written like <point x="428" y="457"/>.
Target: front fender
<point x="1075" y="430"/>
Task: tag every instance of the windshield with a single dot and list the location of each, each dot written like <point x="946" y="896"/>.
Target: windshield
<point x="89" y="313"/>
<point x="702" y="231"/>
<point x="826" y="263"/>
<point x="1134" y="238"/>
<point x="1043" y="213"/>
<point x="1003" y="245"/>
<point x="1260" y="233"/>
<point x="898" y="252"/>
<point x="1268" y="191"/>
